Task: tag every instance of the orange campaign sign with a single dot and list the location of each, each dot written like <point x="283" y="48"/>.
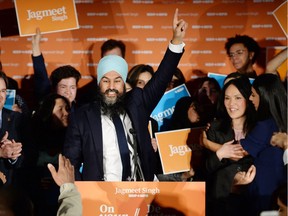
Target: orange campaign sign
<point x="174" y="150"/>
<point x="281" y="16"/>
<point x="141" y="198"/>
<point x="49" y="15"/>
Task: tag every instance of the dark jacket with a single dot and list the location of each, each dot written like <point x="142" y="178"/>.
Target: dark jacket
<point x="13" y="123"/>
<point x="84" y="134"/>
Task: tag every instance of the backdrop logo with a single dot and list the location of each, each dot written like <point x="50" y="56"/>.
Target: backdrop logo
<point x="262" y="26"/>
<point x="201" y="52"/>
<point x="217" y="14"/>
<point x="215" y="39"/>
<point x="156" y="39"/>
<point x="156" y="14"/>
<point x="142" y="27"/>
<point x="202" y="26"/>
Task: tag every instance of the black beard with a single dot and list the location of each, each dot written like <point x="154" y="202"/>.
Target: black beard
<point x="111" y="109"/>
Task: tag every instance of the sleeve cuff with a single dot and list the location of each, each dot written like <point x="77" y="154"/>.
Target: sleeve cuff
<point x="12" y="161"/>
<point x="67" y="187"/>
<point x="176" y="48"/>
<point x="285" y="157"/>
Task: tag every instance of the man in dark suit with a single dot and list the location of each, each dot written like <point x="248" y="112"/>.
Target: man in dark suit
<point x="92" y="139"/>
<point x="10" y="132"/>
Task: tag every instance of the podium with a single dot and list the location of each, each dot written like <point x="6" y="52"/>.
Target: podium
<point x="142" y="198"/>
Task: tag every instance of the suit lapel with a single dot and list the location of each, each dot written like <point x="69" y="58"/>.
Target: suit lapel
<point x="94" y="120"/>
<point x="6" y="121"/>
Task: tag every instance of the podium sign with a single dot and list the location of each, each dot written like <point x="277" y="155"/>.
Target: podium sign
<point x="141" y="198"/>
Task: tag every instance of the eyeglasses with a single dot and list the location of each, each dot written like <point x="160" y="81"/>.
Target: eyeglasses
<point x="236" y="54"/>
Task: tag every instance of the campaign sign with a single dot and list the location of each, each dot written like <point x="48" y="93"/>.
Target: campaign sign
<point x="280" y="15"/>
<point x="10" y="98"/>
<point x="176" y="148"/>
<point x="165" y="108"/>
<point x="220" y="78"/>
<point x="48" y="15"/>
<point x="142" y="198"/>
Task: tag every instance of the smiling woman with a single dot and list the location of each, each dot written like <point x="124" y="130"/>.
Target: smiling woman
<point x="49" y="123"/>
<point x="236" y="118"/>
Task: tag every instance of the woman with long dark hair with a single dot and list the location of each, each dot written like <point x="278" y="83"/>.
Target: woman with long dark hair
<point x="49" y="123"/>
<point x="236" y="118"/>
<point x="270" y="100"/>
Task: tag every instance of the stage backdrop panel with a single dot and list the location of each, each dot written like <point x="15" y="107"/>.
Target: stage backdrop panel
<point x="145" y="27"/>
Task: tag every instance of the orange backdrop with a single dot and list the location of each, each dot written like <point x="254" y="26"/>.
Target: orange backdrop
<point x="145" y="27"/>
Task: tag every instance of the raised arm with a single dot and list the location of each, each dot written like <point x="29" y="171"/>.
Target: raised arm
<point x="276" y="61"/>
<point x="157" y="85"/>
<point x="36" y="43"/>
<point x="42" y="83"/>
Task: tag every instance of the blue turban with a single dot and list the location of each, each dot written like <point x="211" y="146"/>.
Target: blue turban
<point x="112" y="63"/>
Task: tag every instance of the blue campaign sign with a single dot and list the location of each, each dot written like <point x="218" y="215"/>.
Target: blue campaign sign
<point x="221" y="77"/>
<point x="10" y="98"/>
<point x="165" y="108"/>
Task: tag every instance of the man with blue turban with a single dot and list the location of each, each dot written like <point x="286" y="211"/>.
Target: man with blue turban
<point x="109" y="138"/>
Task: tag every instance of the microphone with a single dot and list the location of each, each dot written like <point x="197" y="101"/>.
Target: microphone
<point x="132" y="131"/>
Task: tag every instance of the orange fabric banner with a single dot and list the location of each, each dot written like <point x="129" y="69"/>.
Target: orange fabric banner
<point x="139" y="198"/>
<point x="145" y="27"/>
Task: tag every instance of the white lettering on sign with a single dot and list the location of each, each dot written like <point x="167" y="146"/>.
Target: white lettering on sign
<point x="56" y="14"/>
<point x="181" y="150"/>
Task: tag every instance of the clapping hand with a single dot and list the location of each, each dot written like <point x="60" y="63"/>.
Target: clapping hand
<point x="10" y="149"/>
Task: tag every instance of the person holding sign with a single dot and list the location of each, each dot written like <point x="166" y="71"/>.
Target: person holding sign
<point x="64" y="79"/>
<point x="95" y="134"/>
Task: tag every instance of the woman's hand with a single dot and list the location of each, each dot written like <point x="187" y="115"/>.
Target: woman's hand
<point x="244" y="178"/>
<point x="230" y="150"/>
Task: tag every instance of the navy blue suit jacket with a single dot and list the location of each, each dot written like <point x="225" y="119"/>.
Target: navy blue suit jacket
<point x="42" y="83"/>
<point x="13" y="123"/>
<point x="83" y="142"/>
